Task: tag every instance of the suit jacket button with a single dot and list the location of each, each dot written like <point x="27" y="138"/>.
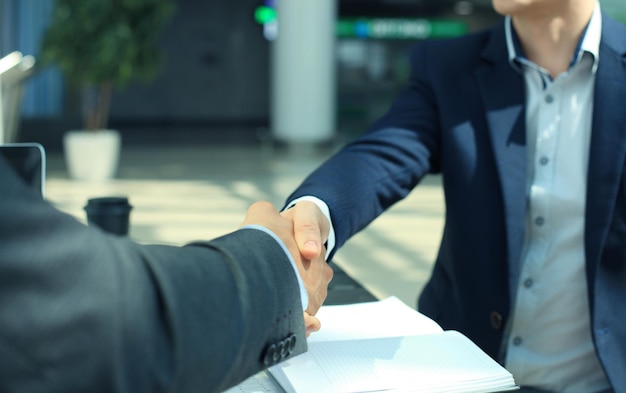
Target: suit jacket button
<point x="268" y="359"/>
<point x="495" y="318"/>
<point x="292" y="342"/>
<point x="284" y="348"/>
<point x="276" y="355"/>
<point x="280" y="350"/>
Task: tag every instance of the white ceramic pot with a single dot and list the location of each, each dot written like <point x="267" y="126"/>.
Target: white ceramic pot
<point x="92" y="155"/>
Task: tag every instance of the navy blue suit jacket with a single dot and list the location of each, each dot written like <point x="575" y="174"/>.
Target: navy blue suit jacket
<point x="463" y="115"/>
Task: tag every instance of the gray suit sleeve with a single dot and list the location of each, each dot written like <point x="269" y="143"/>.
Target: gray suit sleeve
<point x="81" y="310"/>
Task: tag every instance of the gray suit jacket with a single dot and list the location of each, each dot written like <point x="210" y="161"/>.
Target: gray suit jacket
<point x="84" y="311"/>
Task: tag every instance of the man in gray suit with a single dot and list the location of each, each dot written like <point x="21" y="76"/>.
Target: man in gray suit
<point x="85" y="311"/>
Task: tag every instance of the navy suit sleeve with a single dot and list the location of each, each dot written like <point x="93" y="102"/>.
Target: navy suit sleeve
<point x="382" y="166"/>
<point x="81" y="310"/>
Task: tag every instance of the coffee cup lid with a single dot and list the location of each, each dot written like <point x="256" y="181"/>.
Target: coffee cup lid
<point x="109" y="204"/>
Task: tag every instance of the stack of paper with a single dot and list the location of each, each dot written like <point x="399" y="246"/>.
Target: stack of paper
<point x="388" y="346"/>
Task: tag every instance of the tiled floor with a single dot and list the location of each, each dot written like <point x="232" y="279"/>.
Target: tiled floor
<point x="187" y="193"/>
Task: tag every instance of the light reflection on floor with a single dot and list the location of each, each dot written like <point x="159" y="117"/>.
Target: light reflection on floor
<point x="181" y="194"/>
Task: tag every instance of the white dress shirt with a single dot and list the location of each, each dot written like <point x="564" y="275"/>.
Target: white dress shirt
<point x="549" y="343"/>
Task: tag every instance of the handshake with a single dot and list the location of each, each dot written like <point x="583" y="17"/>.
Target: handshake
<point x="304" y="230"/>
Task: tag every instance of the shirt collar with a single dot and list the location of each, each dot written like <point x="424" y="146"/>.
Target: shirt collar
<point x="589" y="41"/>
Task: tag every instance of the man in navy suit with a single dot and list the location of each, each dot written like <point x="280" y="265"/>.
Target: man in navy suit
<point x="526" y="123"/>
<point x="85" y="311"/>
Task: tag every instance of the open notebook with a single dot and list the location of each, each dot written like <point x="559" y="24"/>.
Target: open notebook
<point x="388" y="346"/>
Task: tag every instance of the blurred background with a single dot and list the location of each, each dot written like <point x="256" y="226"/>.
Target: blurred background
<point x="245" y="98"/>
<point x="215" y="80"/>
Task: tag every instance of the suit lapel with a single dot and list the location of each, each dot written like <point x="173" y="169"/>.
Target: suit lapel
<point x="502" y="91"/>
<point x="608" y="141"/>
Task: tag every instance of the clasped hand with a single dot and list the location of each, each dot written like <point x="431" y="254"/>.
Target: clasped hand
<point x="304" y="230"/>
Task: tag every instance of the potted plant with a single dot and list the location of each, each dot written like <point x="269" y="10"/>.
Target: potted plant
<point x="100" y="46"/>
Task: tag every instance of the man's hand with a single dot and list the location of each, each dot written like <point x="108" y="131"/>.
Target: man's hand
<point x="313" y="269"/>
<point x="311" y="324"/>
<point x="311" y="228"/>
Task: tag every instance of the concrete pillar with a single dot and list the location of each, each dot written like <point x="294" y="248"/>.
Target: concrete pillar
<point x="303" y="94"/>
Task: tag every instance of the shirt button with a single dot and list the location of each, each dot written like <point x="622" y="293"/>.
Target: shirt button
<point x="543" y="160"/>
<point x="495" y="319"/>
<point x="517" y="341"/>
<point x="549" y="98"/>
<point x="539" y="221"/>
<point x="528" y="282"/>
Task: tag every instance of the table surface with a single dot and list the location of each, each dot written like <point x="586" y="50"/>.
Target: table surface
<point x="343" y="289"/>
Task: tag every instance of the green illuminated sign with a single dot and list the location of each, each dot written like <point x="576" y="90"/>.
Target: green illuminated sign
<point x="400" y="28"/>
<point x="264" y="14"/>
<point x="383" y="28"/>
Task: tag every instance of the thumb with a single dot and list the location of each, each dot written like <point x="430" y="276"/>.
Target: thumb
<point x="308" y="229"/>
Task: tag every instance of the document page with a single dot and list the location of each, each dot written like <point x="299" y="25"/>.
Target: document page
<point x="388" y="346"/>
<point x="385" y="318"/>
<point x="444" y="362"/>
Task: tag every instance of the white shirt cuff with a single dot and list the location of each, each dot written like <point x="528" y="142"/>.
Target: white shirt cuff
<point x="330" y="244"/>
<point x="304" y="296"/>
